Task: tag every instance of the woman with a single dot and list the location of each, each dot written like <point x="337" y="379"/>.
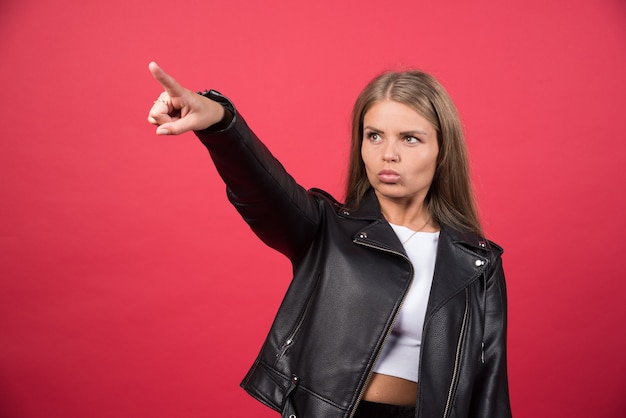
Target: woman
<point x="397" y="306"/>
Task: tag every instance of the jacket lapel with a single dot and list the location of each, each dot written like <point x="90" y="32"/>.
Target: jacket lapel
<point x="461" y="257"/>
<point x="378" y="233"/>
<point x="457" y="265"/>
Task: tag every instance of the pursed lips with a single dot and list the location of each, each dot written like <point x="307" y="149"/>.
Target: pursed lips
<point x="388" y="176"/>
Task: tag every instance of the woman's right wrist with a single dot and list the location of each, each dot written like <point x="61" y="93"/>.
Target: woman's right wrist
<point x="226" y="105"/>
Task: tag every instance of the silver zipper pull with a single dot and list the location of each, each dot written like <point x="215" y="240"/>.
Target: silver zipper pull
<point x="482" y="352"/>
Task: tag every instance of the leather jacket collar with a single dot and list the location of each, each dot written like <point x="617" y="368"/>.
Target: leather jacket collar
<point x="462" y="257"/>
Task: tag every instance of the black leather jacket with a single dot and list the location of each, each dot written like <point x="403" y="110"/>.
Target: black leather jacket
<point x="351" y="274"/>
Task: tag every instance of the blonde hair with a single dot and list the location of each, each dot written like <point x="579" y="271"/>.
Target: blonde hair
<point x="450" y="199"/>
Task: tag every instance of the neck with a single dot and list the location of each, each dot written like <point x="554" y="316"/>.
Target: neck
<point x="413" y="215"/>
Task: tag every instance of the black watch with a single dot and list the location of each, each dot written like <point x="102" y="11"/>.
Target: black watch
<point x="229" y="108"/>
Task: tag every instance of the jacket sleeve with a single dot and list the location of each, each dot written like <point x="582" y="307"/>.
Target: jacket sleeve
<point x="282" y="213"/>
<point x="490" y="399"/>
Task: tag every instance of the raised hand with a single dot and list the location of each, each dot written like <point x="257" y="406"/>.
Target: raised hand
<point x="178" y="109"/>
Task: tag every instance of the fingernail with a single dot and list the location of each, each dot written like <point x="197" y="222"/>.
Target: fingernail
<point x="162" y="131"/>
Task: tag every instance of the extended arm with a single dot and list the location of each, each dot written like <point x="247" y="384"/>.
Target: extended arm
<point x="278" y="209"/>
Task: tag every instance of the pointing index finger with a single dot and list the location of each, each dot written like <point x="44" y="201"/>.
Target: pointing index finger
<point x="170" y="85"/>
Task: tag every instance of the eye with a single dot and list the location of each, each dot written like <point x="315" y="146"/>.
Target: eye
<point x="411" y="140"/>
<point x="372" y="136"/>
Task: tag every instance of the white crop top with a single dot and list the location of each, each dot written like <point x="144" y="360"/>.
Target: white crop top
<point x="400" y="355"/>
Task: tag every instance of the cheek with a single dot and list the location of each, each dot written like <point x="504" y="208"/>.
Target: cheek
<point x="366" y="156"/>
<point x="432" y="158"/>
<point x="426" y="166"/>
<point x="432" y="169"/>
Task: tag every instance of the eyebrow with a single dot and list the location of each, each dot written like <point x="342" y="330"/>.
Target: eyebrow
<point x="414" y="132"/>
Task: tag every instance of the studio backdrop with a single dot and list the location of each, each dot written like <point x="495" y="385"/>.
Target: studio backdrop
<point x="129" y="287"/>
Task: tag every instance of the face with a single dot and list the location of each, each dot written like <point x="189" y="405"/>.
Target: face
<point x="399" y="150"/>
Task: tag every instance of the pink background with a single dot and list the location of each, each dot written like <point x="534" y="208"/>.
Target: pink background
<point x="130" y="288"/>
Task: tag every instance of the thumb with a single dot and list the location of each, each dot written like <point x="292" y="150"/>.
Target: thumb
<point x="170" y="85"/>
<point x="177" y="127"/>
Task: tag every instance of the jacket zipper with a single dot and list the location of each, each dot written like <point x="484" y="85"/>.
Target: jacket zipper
<point x="457" y="358"/>
<point x="289" y="341"/>
<point x="395" y="317"/>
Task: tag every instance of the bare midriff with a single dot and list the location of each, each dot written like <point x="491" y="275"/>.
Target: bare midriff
<point x="391" y="390"/>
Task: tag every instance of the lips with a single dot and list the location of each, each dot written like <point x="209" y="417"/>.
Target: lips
<point x="388" y="176"/>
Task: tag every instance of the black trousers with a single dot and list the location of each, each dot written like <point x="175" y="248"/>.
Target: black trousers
<point x="368" y="409"/>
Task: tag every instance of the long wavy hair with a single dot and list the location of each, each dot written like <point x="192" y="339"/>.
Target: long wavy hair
<point x="450" y="199"/>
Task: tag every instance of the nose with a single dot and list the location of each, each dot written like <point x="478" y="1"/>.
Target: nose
<point x="390" y="152"/>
